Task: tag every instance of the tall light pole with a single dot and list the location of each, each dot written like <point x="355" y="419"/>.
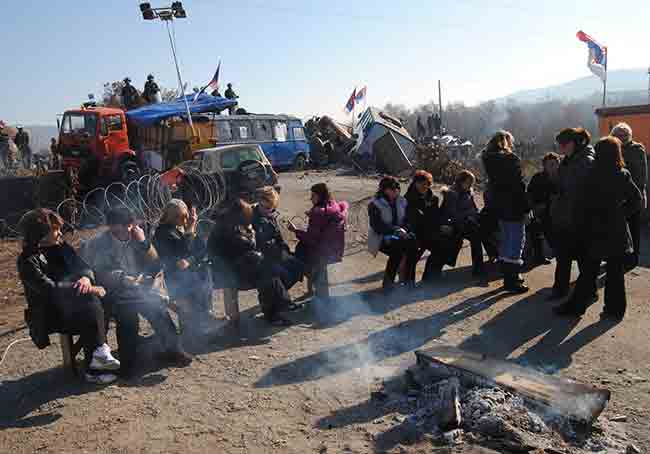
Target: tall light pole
<point x="648" y="84"/>
<point x="167" y="15"/>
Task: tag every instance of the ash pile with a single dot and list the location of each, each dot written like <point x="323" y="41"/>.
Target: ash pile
<point x="452" y="405"/>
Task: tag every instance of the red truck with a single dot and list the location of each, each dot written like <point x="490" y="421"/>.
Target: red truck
<point x="94" y="144"/>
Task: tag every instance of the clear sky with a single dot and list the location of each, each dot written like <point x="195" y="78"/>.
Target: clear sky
<point x="305" y="57"/>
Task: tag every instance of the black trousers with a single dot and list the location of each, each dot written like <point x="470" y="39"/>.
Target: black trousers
<point x="396" y="250"/>
<point x="125" y="306"/>
<point x="615" y="297"/>
<point x="634" y="224"/>
<point x="475" y="238"/>
<point x="82" y="314"/>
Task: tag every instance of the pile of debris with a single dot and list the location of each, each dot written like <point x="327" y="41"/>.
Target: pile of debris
<point x="435" y="159"/>
<point x="507" y="413"/>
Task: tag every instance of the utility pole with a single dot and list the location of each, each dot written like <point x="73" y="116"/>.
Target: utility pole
<point x="648" y="84"/>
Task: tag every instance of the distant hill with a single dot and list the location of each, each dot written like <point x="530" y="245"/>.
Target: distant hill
<point x="632" y="82"/>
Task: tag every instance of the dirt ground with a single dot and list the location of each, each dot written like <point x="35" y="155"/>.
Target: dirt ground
<point x="307" y="388"/>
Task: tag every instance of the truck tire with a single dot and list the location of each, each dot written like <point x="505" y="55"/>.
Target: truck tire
<point x="300" y="163"/>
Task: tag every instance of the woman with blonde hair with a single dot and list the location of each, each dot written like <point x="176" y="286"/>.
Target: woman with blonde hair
<point x="506" y="196"/>
<point x="181" y="253"/>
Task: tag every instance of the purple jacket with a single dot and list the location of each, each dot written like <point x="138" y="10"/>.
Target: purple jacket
<point x="325" y="235"/>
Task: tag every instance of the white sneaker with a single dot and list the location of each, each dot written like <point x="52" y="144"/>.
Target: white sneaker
<point x="101" y="379"/>
<point x="103" y="360"/>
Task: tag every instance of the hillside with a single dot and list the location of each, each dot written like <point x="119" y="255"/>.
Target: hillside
<point x="630" y="82"/>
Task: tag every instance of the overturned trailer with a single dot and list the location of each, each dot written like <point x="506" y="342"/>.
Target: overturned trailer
<point x="383" y="144"/>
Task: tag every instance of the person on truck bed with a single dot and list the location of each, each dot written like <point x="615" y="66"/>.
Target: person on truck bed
<point x="151" y="89"/>
<point x="123" y="260"/>
<point x="129" y="95"/>
<point x="62" y="294"/>
<point x="637" y="164"/>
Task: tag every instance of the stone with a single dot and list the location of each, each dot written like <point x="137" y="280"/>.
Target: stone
<point x="618" y="418"/>
<point x="632" y="449"/>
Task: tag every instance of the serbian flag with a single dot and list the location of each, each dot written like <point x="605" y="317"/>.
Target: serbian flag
<point x="597" y="61"/>
<point x="361" y="95"/>
<point x="213" y="84"/>
<point x="349" y="107"/>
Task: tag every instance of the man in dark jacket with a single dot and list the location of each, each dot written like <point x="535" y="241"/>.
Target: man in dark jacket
<point x="120" y="258"/>
<point x="636" y="163"/>
<point x="151" y="89"/>
<point x="22" y="142"/>
<point x="230" y="94"/>
<point x="573" y="173"/>
<point x="542" y="189"/>
<point x="129" y="95"/>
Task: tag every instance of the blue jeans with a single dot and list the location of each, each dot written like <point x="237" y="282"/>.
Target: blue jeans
<point x="512" y="240"/>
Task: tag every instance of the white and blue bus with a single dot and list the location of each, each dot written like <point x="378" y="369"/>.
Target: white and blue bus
<point x="281" y="137"/>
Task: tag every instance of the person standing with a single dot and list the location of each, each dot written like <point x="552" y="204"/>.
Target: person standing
<point x="323" y="243"/>
<point x="22" y="142"/>
<point x="508" y="201"/>
<point x="609" y="199"/>
<point x="230" y="94"/>
<point x="151" y="90"/>
<point x="636" y="163"/>
<point x="389" y="232"/>
<point x="542" y="189"/>
<point x="574" y="145"/>
<point x="129" y="95"/>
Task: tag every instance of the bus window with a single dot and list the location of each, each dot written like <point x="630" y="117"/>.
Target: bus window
<point x="280" y="131"/>
<point x="224" y="133"/>
<point x="298" y="134"/>
<point x="241" y="130"/>
<point x="263" y="130"/>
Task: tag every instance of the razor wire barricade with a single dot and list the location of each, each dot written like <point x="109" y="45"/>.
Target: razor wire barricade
<point x="146" y="197"/>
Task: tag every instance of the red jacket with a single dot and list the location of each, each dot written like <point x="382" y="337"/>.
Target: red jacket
<point x="325" y="235"/>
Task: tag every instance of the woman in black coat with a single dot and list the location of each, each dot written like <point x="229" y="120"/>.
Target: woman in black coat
<point x="423" y="219"/>
<point x="181" y="252"/>
<point x="61" y="294"/>
<point x="239" y="262"/>
<point x="509" y="204"/>
<point x="609" y="198"/>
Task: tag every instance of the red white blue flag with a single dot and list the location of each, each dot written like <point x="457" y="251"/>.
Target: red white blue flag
<point x="597" y="61"/>
<point x="361" y="95"/>
<point x="213" y="84"/>
<point x="349" y="106"/>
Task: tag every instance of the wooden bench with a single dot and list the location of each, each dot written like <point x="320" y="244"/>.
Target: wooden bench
<point x="69" y="351"/>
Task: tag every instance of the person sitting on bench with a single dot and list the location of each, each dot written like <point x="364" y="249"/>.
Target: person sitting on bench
<point x="181" y="252"/>
<point x="61" y="293"/>
<point x="323" y="242"/>
<point x="277" y="254"/>
<point x="121" y="256"/>
<point x="239" y="263"/>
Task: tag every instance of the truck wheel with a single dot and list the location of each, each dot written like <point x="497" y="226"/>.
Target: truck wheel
<point x="129" y="171"/>
<point x="300" y="163"/>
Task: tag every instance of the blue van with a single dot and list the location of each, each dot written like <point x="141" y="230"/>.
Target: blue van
<point x="281" y="137"/>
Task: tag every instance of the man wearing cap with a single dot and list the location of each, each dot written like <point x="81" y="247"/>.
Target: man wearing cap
<point x="22" y="142"/>
<point x="121" y="257"/>
<point x="230" y="94"/>
<point x="637" y="164"/>
<point x="129" y="95"/>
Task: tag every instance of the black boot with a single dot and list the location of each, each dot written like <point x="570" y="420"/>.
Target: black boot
<point x="539" y="257"/>
<point x="512" y="282"/>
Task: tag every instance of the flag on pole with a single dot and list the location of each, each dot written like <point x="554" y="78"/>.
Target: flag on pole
<point x="349" y="106"/>
<point x="597" y="61"/>
<point x="213" y="84"/>
<point x="361" y="95"/>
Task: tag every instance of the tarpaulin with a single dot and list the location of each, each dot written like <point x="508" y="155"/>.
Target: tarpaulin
<point x="152" y="114"/>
